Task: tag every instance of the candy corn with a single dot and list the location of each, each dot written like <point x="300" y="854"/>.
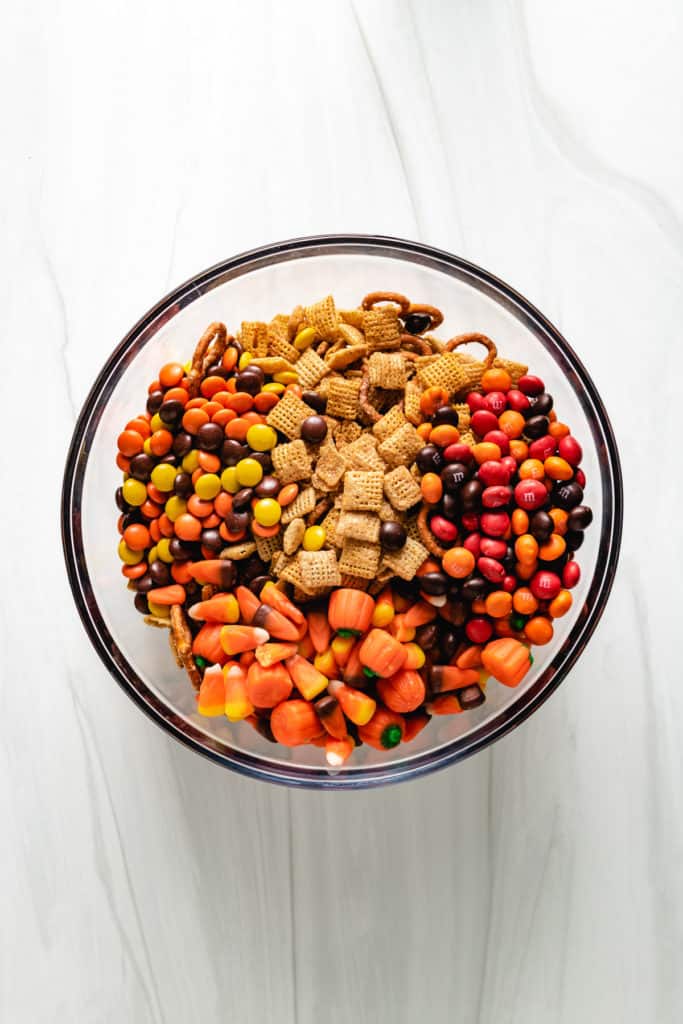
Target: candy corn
<point x="276" y="623"/>
<point x="211" y="700"/>
<point x="331" y="715"/>
<point x="353" y="669"/>
<point x="446" y="704"/>
<point x="415" y="656"/>
<point x="237" y="703"/>
<point x="248" y="602"/>
<point x="319" y="630"/>
<point x="355" y="704"/>
<point x="269" y="654"/>
<point x="450" y="677"/>
<point x="384" y="608"/>
<point x="307" y="679"/>
<point x="325" y="663"/>
<point x="175" y="594"/>
<point x="341" y="648"/>
<point x="415" y="723"/>
<point x="419" y="614"/>
<point x="338" y="751"/>
<point x="235" y="639"/>
<point x="400" y="630"/>
<point x="276" y="599"/>
<point x="219" y="608"/>
<point x="218" y="571"/>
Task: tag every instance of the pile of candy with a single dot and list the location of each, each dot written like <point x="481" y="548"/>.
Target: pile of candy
<point x="347" y="525"/>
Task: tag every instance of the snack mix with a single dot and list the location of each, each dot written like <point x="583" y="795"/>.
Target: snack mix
<point x="348" y="525"/>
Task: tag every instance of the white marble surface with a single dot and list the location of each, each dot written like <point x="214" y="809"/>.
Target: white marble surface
<point x="540" y="881"/>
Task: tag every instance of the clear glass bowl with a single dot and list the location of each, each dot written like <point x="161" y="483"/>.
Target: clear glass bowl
<point x="256" y="285"/>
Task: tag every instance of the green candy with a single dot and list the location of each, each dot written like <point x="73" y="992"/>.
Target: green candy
<point x="391" y="737"/>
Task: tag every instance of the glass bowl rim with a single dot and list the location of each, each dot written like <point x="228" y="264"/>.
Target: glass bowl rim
<point x="456" y="750"/>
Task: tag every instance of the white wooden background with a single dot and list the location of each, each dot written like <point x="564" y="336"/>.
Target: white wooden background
<point x="541" y="880"/>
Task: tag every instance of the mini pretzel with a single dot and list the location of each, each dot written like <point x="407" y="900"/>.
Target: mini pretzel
<point x="181" y="643"/>
<point x="434" y="314"/>
<point x="373" y="298"/>
<point x="323" y="347"/>
<point x="323" y="506"/>
<point x="426" y="535"/>
<point x="210" y="347"/>
<point x="296" y="318"/>
<point x="364" y="399"/>
<point x="419" y="345"/>
<point x="466" y="339"/>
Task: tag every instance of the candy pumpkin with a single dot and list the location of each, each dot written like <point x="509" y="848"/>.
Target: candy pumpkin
<point x="402" y="692"/>
<point x="267" y="687"/>
<point x="507" y="660"/>
<point x="381" y="653"/>
<point x="294" y="722"/>
<point x="350" y="611"/>
<point x="384" y="730"/>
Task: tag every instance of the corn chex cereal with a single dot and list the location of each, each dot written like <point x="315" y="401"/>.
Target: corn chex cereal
<point x="401" y="447"/>
<point x="411" y="402"/>
<point x="346" y="432"/>
<point x="358" y="558"/>
<point x="293" y="536"/>
<point x="319" y="569"/>
<point x="342" y="397"/>
<point x="301" y="506"/>
<point x="390" y="422"/>
<point x="329" y="525"/>
<point x="464" y="414"/>
<point x="382" y="329"/>
<point x="323" y="316"/>
<point x="388" y="513"/>
<point x="407" y="561"/>
<point x="362" y="454"/>
<point x="330" y="466"/>
<point x="253" y="337"/>
<point x="387" y="370"/>
<point x="516" y="370"/>
<point x="268" y="546"/>
<point x="445" y="372"/>
<point x="362" y="490"/>
<point x="401" y="488"/>
<point x="472" y="370"/>
<point x="290" y="572"/>
<point x="354" y="317"/>
<point x="291" y="462"/>
<point x="311" y="369"/>
<point x="352" y="335"/>
<point x="278" y="343"/>
<point x="288" y="415"/>
<point x="359" y="526"/>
